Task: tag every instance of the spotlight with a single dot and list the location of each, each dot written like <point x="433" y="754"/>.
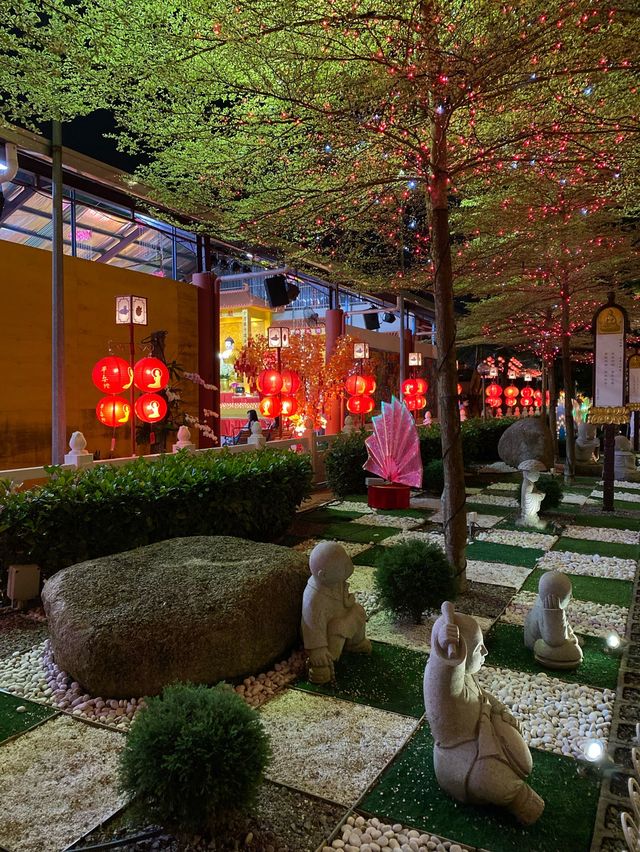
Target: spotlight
<point x="613" y="641"/>
<point x="594" y="750"/>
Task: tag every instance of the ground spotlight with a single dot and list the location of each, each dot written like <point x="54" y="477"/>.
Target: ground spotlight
<point x="594" y="750"/>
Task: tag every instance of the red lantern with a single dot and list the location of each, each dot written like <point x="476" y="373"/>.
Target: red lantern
<point x="360" y="404"/>
<point x="355" y="385"/>
<point x="494" y="390"/>
<point x="511" y="392"/>
<point x="269" y="383"/>
<point x="113" y="411"/>
<point x="150" y="374"/>
<point x="494" y="401"/>
<point x="369" y="383"/>
<point x="414" y="387"/>
<point x="411" y="401"/>
<point x="526" y="394"/>
<point x="112" y="374"/>
<point x="421" y="402"/>
<point x="288" y="406"/>
<point x="290" y="382"/>
<point x="459" y="389"/>
<point x="270" y="406"/>
<point x="537" y="395"/>
<point x="151" y="408"/>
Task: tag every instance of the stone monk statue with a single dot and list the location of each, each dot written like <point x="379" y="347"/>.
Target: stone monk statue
<point x="479" y="755"/>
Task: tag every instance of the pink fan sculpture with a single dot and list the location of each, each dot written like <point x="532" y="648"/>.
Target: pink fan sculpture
<point x="393" y="453"/>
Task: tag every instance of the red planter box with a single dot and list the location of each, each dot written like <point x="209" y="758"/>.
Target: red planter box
<point x="389" y="496"/>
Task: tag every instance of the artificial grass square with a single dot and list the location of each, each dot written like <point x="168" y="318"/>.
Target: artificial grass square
<point x="422" y="514"/>
<point x="356" y="532"/>
<point x="601" y="548"/>
<point x="356" y="498"/>
<point x="609" y="521"/>
<point x="490" y="509"/>
<point x="408" y="793"/>
<point x="508" y="554"/>
<point x="585" y="588"/>
<point x="12" y="722"/>
<point x="390" y="678"/>
<point x="505" y="643"/>
<point x="327" y="515"/>
<point x="371" y="556"/>
<point x="511" y="525"/>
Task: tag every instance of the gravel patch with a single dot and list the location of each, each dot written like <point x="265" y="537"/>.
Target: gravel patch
<point x="554" y="716"/>
<point x="625" y="496"/>
<point x="574" y="499"/>
<point x="425" y="503"/>
<point x="623" y="483"/>
<point x="603" y="534"/>
<point x="588" y="564"/>
<point x="362" y="586"/>
<point x="374" y="834"/>
<point x="480" y="521"/>
<point x="328" y="747"/>
<point x="508" y="487"/>
<point x="389" y="521"/>
<point x="57" y="782"/>
<point x="353" y="548"/>
<point x="497" y="500"/>
<point x="405" y="633"/>
<point x="497" y="467"/>
<point x="413" y="535"/>
<point x="350" y="506"/>
<point x="539" y="541"/>
<point x="497" y="573"/>
<point x="19" y="633"/>
<point x="593" y="619"/>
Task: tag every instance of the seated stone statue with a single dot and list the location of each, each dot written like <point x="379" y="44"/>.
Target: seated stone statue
<point x="331" y="618"/>
<point x="479" y="755"/>
<point x="530" y="499"/>
<point x="256" y="438"/>
<point x="587" y="444"/>
<point x="546" y="629"/>
<point x="348" y="427"/>
<point x="625" y="460"/>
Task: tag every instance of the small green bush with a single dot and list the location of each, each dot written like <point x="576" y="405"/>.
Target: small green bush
<point x="194" y="753"/>
<point x="84" y="514"/>
<point x="343" y="464"/>
<point x="553" y="491"/>
<point x="412" y="577"/>
<point x="433" y="476"/>
<point x="479" y="439"/>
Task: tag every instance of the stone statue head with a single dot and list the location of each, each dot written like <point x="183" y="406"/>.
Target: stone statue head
<point x="555" y="584"/>
<point x="474" y="641"/>
<point x="256" y="428"/>
<point x="184" y="434"/>
<point x="77" y="442"/>
<point x="330" y="563"/>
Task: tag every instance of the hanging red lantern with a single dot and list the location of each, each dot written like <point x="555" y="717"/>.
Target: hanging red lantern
<point x="270" y="406"/>
<point x="113" y="411"/>
<point x="421" y="402"/>
<point x="290" y="382"/>
<point x="355" y="385"/>
<point x="151" y="408"/>
<point x="360" y="404"/>
<point x="269" y="382"/>
<point x="494" y="390"/>
<point x="494" y="401"/>
<point x="537" y="395"/>
<point x="112" y="374"/>
<point x="150" y="374"/>
<point x="369" y="383"/>
<point x="511" y="392"/>
<point x="459" y="389"/>
<point x="525" y="394"/>
<point x="414" y="387"/>
<point x="288" y="406"/>
<point x="411" y="401"/>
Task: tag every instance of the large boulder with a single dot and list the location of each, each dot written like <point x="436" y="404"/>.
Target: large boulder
<point x="529" y="438"/>
<point x="198" y="609"/>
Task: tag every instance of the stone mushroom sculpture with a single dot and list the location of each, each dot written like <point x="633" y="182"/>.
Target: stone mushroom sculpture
<point x="530" y="499"/>
<point x="331" y="618"/>
<point x="546" y="629"/>
<point x="479" y="755"/>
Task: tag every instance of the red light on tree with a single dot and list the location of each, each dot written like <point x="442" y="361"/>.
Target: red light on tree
<point x="414" y="387"/>
<point x="270" y="406"/>
<point x="112" y="374"/>
<point x="290" y="383"/>
<point x="511" y="393"/>
<point x="269" y="382"/>
<point x="360" y="404"/>
<point x="151" y="408"/>
<point x="289" y="406"/>
<point x="150" y="374"/>
<point x="113" y="411"/>
<point x="494" y="390"/>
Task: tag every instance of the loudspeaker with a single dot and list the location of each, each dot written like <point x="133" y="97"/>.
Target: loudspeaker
<point x="276" y="287"/>
<point x="371" y="321"/>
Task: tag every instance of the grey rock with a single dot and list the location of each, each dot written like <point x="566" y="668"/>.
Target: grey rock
<point x="529" y="438"/>
<point x="199" y="609"/>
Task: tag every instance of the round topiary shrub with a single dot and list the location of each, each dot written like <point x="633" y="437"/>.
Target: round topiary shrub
<point x="552" y="490"/>
<point x="413" y="577"/>
<point x="433" y="476"/>
<point x="194" y="753"/>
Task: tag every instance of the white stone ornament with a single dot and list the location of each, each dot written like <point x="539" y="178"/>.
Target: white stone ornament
<point x="78" y="455"/>
<point x="349" y="426"/>
<point x="332" y="621"/>
<point x="256" y="439"/>
<point x="625" y="460"/>
<point x="587" y="444"/>
<point x="547" y="631"/>
<point x="530" y="499"/>
<point x="479" y="754"/>
<point x="184" y="440"/>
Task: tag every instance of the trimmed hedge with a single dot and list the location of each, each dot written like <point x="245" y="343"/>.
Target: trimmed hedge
<point x="83" y="514"/>
<point x="348" y="453"/>
<point x="553" y="489"/>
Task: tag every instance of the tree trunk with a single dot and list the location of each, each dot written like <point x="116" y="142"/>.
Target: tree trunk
<point x="453" y="496"/>
<point x="567" y="382"/>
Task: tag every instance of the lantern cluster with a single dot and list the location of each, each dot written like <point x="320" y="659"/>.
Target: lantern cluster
<point x="360" y="388"/>
<point x="494" y="395"/>
<point x="278" y="389"/>
<point x="413" y="393"/>
<point x="113" y="375"/>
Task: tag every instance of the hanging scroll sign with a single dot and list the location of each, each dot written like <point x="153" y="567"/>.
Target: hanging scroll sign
<point x="609" y="358"/>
